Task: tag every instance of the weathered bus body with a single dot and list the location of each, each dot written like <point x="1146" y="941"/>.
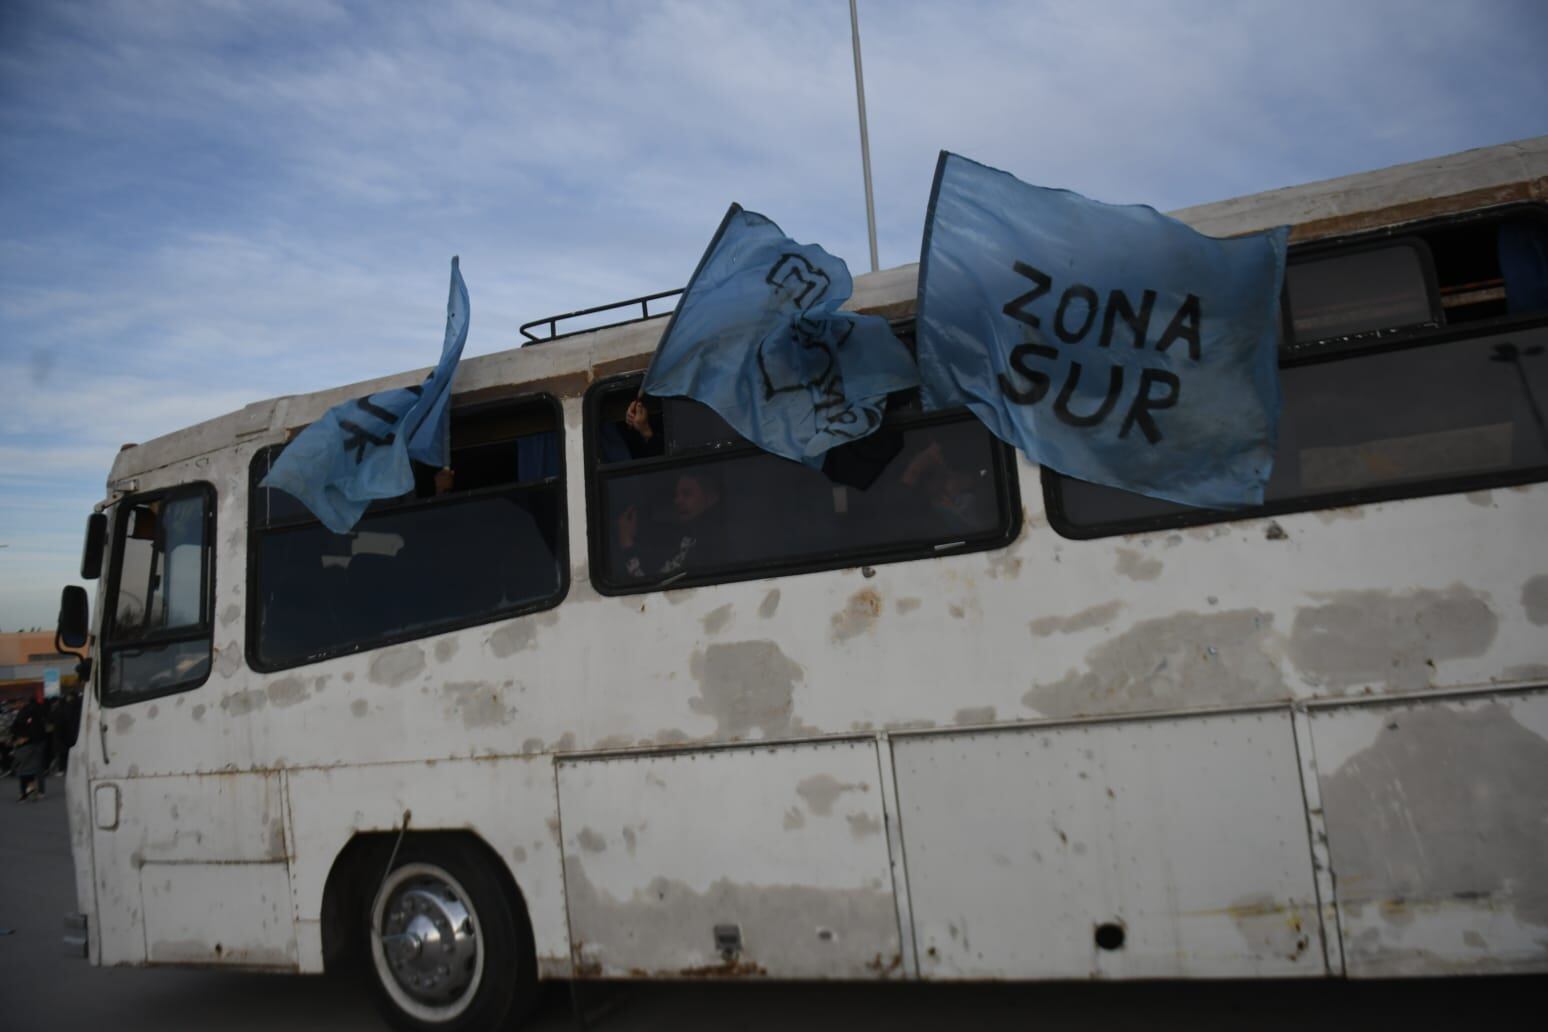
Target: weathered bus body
<point x="1092" y="736"/>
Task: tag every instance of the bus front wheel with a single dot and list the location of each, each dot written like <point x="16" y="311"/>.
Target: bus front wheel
<point x="448" y="942"/>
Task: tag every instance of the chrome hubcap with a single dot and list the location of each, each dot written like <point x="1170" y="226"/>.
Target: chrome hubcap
<point x="429" y="941"/>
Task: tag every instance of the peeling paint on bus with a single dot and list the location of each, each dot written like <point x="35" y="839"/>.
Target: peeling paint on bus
<point x="479" y="703"/>
<point x="512" y="638"/>
<point x="287" y="691"/>
<point x="1435" y="827"/>
<point x="746" y="686"/>
<point x="1095" y="616"/>
<point x="716" y="619"/>
<point x="859" y="615"/>
<point x="973" y="715"/>
<point x="1137" y="566"/>
<point x="1357" y="638"/>
<point x="821" y="791"/>
<point x="396" y="666"/>
<point x="1189" y="659"/>
<point x="666" y="929"/>
<point x="1534" y="599"/>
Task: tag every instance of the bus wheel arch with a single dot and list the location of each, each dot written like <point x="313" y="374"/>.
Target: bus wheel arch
<point x="430" y="873"/>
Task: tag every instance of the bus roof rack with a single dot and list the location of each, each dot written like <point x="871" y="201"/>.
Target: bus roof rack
<point x="553" y="321"/>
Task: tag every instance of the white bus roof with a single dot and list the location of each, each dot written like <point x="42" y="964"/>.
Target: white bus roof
<point x="1487" y="176"/>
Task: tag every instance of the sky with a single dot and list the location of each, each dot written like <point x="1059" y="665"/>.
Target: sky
<point x="208" y="202"/>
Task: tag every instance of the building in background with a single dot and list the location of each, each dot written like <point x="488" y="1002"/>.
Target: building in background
<point x="25" y="659"/>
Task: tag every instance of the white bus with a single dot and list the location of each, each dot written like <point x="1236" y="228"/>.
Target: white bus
<point x="623" y="706"/>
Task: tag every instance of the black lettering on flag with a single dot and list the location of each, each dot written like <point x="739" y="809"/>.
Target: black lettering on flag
<point x="357" y="437"/>
<point x="833" y="412"/>
<point x="804" y="282"/>
<point x="1016" y="307"/>
<point x="1084" y="293"/>
<point x="851" y="423"/>
<point x="385" y="415"/>
<point x="1118" y="307"/>
<point x="1062" y="402"/>
<point x="1143" y="405"/>
<point x="1184" y="326"/>
<point x="811" y="335"/>
<point x="1038" y="381"/>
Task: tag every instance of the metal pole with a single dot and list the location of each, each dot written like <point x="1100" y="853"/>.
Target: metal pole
<point x="865" y="139"/>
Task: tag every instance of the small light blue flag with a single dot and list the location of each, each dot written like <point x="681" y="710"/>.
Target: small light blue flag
<point x="1111" y="343"/>
<point x="360" y="450"/>
<point x="758" y="337"/>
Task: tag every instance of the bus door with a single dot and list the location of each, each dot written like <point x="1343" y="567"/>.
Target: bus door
<point x="190" y="867"/>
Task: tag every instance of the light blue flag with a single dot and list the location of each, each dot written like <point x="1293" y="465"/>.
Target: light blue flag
<point x="1114" y="344"/>
<point x="759" y="338"/>
<point x="360" y="450"/>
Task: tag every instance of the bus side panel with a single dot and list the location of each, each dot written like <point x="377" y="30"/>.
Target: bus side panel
<point x="733" y="862"/>
<point x="191" y="869"/>
<point x="1169" y="848"/>
<point x="231" y="914"/>
<point x="1437" y="819"/>
<point x="508" y="802"/>
<point x="78" y="777"/>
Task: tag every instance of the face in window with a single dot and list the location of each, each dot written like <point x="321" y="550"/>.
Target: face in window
<point x="695" y="495"/>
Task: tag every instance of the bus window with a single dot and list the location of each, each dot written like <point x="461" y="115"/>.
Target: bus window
<point x="481" y="541"/>
<point x="1381" y="289"/>
<point x="157" y="639"/>
<point x="709" y="507"/>
<point x="1388" y="408"/>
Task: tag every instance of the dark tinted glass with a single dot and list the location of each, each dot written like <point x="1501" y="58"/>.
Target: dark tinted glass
<point x="911" y="488"/>
<point x="134" y="673"/>
<point x="1396" y="419"/>
<point x="158" y="637"/>
<point x="1344" y="295"/>
<point x="162" y="560"/>
<point x="692" y="425"/>
<point x="404" y="573"/>
<point x="484" y="542"/>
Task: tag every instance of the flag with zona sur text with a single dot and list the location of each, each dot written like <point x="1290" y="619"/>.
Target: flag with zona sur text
<point x="1111" y="343"/>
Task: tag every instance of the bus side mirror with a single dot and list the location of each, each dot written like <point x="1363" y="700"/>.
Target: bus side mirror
<point x="96" y="540"/>
<point x="74" y="617"/>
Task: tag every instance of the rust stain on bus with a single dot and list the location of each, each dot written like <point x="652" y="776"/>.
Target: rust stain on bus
<point x="1414" y="211"/>
<point x="619" y="366"/>
<point x="885" y="968"/>
<point x="564" y="385"/>
<point x="728" y="969"/>
<point x="858" y="615"/>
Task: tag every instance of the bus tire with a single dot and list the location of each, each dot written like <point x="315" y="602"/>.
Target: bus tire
<point x="448" y="947"/>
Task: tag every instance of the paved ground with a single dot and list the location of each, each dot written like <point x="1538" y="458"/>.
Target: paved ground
<point x="40" y="989"/>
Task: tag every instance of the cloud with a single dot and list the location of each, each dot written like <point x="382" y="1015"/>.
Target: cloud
<point x="208" y="203"/>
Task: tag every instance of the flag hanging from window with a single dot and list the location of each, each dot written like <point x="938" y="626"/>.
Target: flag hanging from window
<point x="1110" y="343"/>
<point x="758" y="337"/>
<point x="361" y="450"/>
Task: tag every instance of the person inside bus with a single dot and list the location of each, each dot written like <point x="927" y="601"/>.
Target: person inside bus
<point x="694" y="536"/>
<point x="953" y="490"/>
<point x="646" y="440"/>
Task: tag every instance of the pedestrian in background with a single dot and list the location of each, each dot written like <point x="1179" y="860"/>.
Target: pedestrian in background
<point x="29" y="735"/>
<point x="7" y="715"/>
